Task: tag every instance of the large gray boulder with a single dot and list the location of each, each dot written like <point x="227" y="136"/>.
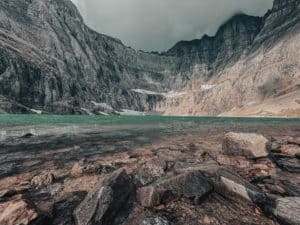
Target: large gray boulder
<point x="229" y="184"/>
<point x="102" y="206"/>
<point x="250" y="145"/>
<point x="190" y="185"/>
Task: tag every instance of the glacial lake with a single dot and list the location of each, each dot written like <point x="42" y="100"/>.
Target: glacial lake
<point x="18" y="125"/>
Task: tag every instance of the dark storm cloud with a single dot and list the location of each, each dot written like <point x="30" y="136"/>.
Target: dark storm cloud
<point x="159" y="24"/>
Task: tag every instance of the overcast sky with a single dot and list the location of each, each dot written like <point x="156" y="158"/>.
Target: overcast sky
<point x="156" y="25"/>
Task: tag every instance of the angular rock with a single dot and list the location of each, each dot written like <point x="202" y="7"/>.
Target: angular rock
<point x="19" y="211"/>
<point x="147" y="218"/>
<point x="190" y="185"/>
<point x="250" y="145"/>
<point x="43" y="180"/>
<point x="103" y="204"/>
<point x="63" y="209"/>
<point x="228" y="183"/>
<point x="287" y="163"/>
<point x="149" y="196"/>
<point x="288" y="210"/>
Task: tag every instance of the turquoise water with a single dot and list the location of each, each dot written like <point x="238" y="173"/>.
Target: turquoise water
<point x="19" y="125"/>
<point x="61" y="120"/>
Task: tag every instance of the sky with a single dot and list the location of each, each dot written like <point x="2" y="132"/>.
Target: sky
<point x="156" y="25"/>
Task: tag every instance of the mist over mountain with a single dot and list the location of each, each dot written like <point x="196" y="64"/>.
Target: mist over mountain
<point x="157" y="25"/>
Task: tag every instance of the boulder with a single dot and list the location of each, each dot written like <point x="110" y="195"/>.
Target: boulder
<point x="190" y="185"/>
<point x="288" y="210"/>
<point x="43" y="180"/>
<point x="20" y="211"/>
<point x="250" y="145"/>
<point x="103" y="204"/>
<point x="228" y="183"/>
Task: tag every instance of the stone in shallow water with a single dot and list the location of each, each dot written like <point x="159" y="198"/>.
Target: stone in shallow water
<point x="249" y="145"/>
<point x="103" y="205"/>
<point x="288" y="210"/>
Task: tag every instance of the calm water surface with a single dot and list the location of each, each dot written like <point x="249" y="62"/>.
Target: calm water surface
<point x="18" y="125"/>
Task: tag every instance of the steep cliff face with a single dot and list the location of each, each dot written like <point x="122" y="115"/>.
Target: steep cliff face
<point x="232" y="40"/>
<point x="264" y="81"/>
<point x="51" y="61"/>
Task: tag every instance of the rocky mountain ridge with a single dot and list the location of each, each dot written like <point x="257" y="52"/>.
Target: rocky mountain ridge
<point x="51" y="61"/>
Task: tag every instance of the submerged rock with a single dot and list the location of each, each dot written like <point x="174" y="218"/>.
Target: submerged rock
<point x="249" y="145"/>
<point x="103" y="205"/>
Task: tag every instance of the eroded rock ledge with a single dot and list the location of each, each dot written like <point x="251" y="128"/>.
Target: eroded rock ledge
<point x="250" y="180"/>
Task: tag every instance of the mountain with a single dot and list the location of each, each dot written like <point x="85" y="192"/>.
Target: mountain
<point x="52" y="62"/>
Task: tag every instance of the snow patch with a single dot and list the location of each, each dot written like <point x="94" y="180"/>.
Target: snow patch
<point x="128" y="112"/>
<point x="170" y="94"/>
<point x="248" y="104"/>
<point x="206" y="87"/>
<point x="173" y="94"/>
<point x="36" y="111"/>
<point x="3" y="135"/>
<point x="102" y="105"/>
<point x="87" y="111"/>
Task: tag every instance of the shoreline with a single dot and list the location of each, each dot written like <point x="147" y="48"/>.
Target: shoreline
<point x="57" y="174"/>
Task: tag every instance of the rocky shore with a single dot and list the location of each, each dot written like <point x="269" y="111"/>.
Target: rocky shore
<point x="220" y="178"/>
